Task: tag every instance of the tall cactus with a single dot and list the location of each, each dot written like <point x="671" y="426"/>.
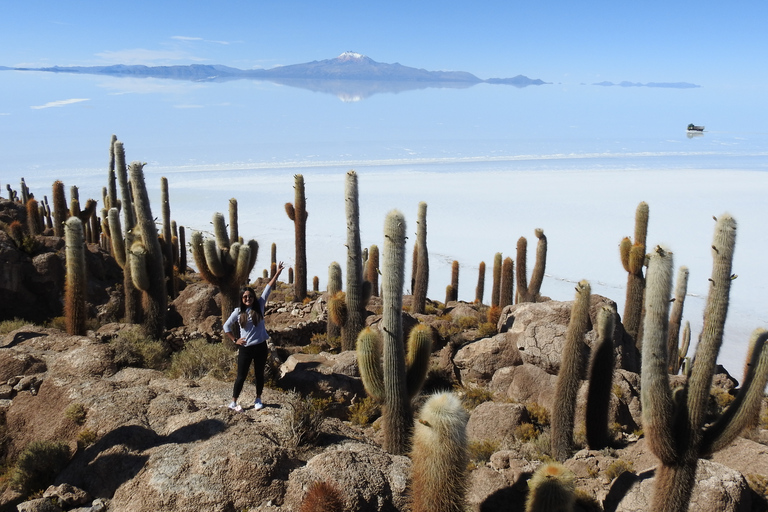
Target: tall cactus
<point x="224" y="265"/>
<point x="333" y="329"/>
<point x="167" y="237"/>
<point x="133" y="311"/>
<point x="454" y="281"/>
<point x="372" y="269"/>
<point x="358" y="291"/>
<point x="480" y="288"/>
<point x="530" y="292"/>
<point x="34" y="220"/>
<point x="76" y="280"/>
<point x="421" y="282"/>
<point x="507" y="291"/>
<point x="386" y="374"/>
<point x="569" y="378"/>
<point x="440" y="456"/>
<point x="297" y="212"/>
<point x="60" y="210"/>
<point x="146" y="257"/>
<point x="632" y="258"/>
<point x="675" y="425"/>
<point x="601" y="381"/>
<point x="676" y="319"/>
<point x="496" y="290"/>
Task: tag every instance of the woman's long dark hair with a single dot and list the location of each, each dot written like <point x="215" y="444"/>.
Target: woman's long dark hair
<point x="257" y="315"/>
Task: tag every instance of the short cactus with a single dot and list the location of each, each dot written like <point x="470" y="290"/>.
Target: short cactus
<point x="552" y="488"/>
<point x="507" y="291"/>
<point x="480" y="289"/>
<point x="76" y="279"/>
<point x="530" y="292"/>
<point x="496" y="290"/>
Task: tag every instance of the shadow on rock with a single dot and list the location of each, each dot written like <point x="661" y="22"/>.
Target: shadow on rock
<point x="119" y="456"/>
<point x="21" y="337"/>
<point x="508" y="499"/>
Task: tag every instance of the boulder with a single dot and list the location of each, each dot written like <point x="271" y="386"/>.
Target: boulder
<point x="369" y="479"/>
<point x="496" y="422"/>
<point x="718" y="489"/>
<point x="196" y="302"/>
<point x="322" y="375"/>
<point x="525" y="383"/>
<point x="479" y="360"/>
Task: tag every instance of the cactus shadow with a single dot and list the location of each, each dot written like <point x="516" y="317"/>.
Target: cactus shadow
<point x="621" y="487"/>
<point x="508" y="499"/>
<point x="21" y="337"/>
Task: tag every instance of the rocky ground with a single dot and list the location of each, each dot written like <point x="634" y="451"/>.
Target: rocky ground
<point x="139" y="436"/>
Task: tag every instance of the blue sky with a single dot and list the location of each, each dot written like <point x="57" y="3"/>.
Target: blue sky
<point x="704" y="42"/>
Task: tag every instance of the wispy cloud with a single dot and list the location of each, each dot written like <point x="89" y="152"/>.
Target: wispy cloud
<point x="147" y="57"/>
<point x="187" y="38"/>
<point x="5" y="113"/>
<point x="188" y="106"/>
<point x="59" y="103"/>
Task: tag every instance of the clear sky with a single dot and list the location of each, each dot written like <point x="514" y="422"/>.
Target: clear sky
<point x="702" y="41"/>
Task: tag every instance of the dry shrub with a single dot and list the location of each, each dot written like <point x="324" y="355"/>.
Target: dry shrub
<point x="86" y="438"/>
<point x="38" y="465"/>
<point x="200" y="358"/>
<point x="487" y="329"/>
<point x="364" y="412"/>
<point x="467" y="322"/>
<point x="538" y="413"/>
<point x="76" y="413"/>
<point x="758" y="484"/>
<point x="7" y="326"/>
<point x="472" y="397"/>
<point x="322" y="497"/>
<point x="526" y="432"/>
<point x="305" y="417"/>
<point x="617" y="468"/>
<point x="494" y="313"/>
<point x="480" y="451"/>
<point x="132" y="348"/>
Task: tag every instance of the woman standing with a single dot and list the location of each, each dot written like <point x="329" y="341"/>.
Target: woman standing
<point x="251" y="345"/>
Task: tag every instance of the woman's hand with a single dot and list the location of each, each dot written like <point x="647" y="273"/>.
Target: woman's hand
<point x="240" y="341"/>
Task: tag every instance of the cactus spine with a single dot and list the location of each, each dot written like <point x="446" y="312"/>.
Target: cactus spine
<point x="600" y="381"/>
<point x="422" y="266"/>
<point x="297" y="212"/>
<point x="480" y="289"/>
<point x="633" y="258"/>
<point x="569" y="378"/>
<point x="507" y="291"/>
<point x="222" y="264"/>
<point x="386" y="378"/>
<point x="440" y="456"/>
<point x="76" y="281"/>
<point x="155" y="297"/>
<point x="551" y="489"/>
<point x="675" y="426"/>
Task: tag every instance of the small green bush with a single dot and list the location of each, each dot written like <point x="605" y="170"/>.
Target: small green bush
<point x="200" y="358"/>
<point x="76" y="413"/>
<point x="86" y="438"/>
<point x="7" y="326"/>
<point x="364" y="412"/>
<point x="38" y="465"/>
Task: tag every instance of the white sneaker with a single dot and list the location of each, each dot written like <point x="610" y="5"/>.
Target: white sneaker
<point x="235" y="407"/>
<point x="257" y="405"/>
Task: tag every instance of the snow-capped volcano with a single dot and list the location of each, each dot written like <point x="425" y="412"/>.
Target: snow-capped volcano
<point x="351" y="56"/>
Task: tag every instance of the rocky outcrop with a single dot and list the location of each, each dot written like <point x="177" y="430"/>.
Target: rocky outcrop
<point x="479" y="360"/>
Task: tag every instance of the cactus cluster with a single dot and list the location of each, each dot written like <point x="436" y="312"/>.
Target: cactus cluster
<point x="530" y="292"/>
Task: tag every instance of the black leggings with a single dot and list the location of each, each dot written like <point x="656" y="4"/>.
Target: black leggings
<point x="256" y="353"/>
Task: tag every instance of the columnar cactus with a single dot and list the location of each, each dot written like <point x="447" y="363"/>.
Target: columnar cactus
<point x="76" y="280"/>
<point x="167" y="237"/>
<point x="60" y="210"/>
<point x="569" y="378"/>
<point x="421" y="282"/>
<point x="333" y="329"/>
<point x="111" y="192"/>
<point x="234" y="226"/>
<point x="372" y="270"/>
<point x="297" y="212"/>
<point x="182" y="250"/>
<point x="675" y="425"/>
<point x="222" y="264"/>
<point x="531" y="292"/>
<point x="358" y="291"/>
<point x="133" y="311"/>
<point x="480" y="288"/>
<point x="273" y="260"/>
<point x="676" y="319"/>
<point x="496" y="290"/>
<point x="440" y="456"/>
<point x="454" y="280"/>
<point x="381" y="356"/>
<point x="507" y="291"/>
<point x="146" y="258"/>
<point x="633" y="258"/>
<point x="601" y="381"/>
<point x="34" y="221"/>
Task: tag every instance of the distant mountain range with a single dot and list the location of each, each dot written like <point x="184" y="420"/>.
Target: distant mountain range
<point x="351" y="75"/>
